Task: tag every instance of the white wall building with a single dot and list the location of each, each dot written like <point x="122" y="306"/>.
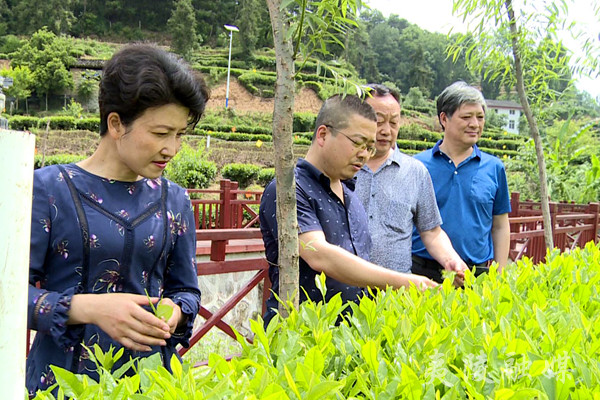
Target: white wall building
<point x="511" y="109"/>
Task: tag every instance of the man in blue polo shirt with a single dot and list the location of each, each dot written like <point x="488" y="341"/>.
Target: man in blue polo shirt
<point x="330" y="217"/>
<point x="470" y="186"/>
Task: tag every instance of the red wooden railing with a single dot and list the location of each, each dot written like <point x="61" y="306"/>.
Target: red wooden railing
<point x="218" y="265"/>
<point x="572" y="225"/>
<point x="225" y="210"/>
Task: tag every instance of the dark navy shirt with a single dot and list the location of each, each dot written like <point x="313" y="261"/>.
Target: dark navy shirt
<point x="139" y="238"/>
<point x="319" y="209"/>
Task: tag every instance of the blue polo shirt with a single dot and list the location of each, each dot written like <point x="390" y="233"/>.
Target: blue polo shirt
<point x="468" y="197"/>
<point x="319" y="209"/>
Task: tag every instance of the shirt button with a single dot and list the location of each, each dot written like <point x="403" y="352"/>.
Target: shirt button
<point x="455" y="172"/>
<point x="449" y="161"/>
<point x="372" y="194"/>
<point x="370" y="216"/>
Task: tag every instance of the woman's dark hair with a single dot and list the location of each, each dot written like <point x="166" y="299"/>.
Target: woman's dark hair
<point x="142" y="76"/>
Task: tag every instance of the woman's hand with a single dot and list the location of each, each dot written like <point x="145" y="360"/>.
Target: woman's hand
<point x="175" y="319"/>
<point x="122" y="317"/>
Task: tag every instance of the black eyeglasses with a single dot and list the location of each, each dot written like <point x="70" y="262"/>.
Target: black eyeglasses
<point x="357" y="145"/>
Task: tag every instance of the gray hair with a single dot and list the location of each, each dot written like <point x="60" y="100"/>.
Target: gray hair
<point x="455" y="96"/>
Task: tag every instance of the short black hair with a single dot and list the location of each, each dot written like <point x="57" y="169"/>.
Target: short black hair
<point x="337" y="110"/>
<point x="378" y="89"/>
<point x="142" y="76"/>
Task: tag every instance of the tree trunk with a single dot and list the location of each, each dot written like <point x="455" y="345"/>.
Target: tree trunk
<point x="533" y="128"/>
<point x="287" y="222"/>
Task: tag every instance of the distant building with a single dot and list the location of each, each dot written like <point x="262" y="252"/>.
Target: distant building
<point x="511" y="109"/>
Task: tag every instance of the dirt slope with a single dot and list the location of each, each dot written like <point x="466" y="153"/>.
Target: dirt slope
<point x="242" y="100"/>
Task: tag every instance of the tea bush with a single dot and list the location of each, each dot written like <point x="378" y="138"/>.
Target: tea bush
<point x="190" y="170"/>
<point x="304" y="122"/>
<point x="88" y="124"/>
<point x="55" y="159"/>
<point x="22" y="123"/>
<point x="244" y="174"/>
<point x="526" y="333"/>
<point x="265" y="176"/>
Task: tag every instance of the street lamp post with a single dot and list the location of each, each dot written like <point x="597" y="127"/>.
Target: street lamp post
<point x="231" y="29"/>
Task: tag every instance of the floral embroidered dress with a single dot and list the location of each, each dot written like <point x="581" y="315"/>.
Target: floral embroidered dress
<point x="94" y="235"/>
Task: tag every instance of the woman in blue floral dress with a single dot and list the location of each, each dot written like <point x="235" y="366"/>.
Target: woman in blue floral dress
<point x="109" y="229"/>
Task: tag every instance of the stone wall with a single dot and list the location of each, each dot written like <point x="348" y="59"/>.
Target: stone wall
<point x="218" y="289"/>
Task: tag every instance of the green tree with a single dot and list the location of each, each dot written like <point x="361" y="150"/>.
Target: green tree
<point x="46" y="55"/>
<point x="22" y="83"/>
<point x="385" y="42"/>
<point x="251" y="25"/>
<point x="525" y="57"/>
<point x="212" y="15"/>
<point x="301" y="28"/>
<point x="361" y="54"/>
<point x="31" y="15"/>
<point x="87" y="88"/>
<point x="415" y="97"/>
<point x="5" y="16"/>
<point x="182" y="27"/>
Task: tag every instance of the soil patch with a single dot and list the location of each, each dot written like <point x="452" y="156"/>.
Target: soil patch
<point x="242" y="100"/>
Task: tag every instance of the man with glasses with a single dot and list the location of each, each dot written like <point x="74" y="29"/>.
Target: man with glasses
<point x="397" y="194"/>
<point x="332" y="225"/>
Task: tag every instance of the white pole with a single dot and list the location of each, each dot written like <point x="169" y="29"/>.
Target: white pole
<point x="228" y="69"/>
<point x="16" y="167"/>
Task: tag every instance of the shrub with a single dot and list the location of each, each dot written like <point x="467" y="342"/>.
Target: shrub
<point x="304" y="122"/>
<point x="416" y="132"/>
<point x="56" y="159"/>
<point x="414" y="98"/>
<point x="244" y="174"/>
<point x="429" y="110"/>
<point x="190" y="170"/>
<point x="73" y="109"/>
<point x="256" y="83"/>
<point x="59" y="123"/>
<point x="88" y="124"/>
<point x="526" y="333"/>
<point x="265" y="176"/>
<point x="22" y="123"/>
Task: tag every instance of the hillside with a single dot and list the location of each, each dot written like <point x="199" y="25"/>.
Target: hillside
<point x="82" y="142"/>
<point x="242" y="100"/>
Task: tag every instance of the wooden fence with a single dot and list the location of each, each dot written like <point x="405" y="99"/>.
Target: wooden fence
<point x="218" y="265"/>
<point x="573" y="225"/>
<point x="226" y="208"/>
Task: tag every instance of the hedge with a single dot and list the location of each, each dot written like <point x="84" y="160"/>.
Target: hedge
<point x="243" y="174"/>
<point x="63" y="123"/>
<point x="55" y="159"/>
<point x="530" y="332"/>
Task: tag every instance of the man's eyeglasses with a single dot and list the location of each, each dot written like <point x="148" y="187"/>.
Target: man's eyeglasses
<point x="357" y="145"/>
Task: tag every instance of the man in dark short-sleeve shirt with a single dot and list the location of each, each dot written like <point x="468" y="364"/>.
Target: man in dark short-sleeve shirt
<point x="332" y="222"/>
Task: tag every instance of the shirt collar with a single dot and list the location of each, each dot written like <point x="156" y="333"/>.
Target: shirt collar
<point x="395" y="157"/>
<point x="313" y="172"/>
<point x="436" y="150"/>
